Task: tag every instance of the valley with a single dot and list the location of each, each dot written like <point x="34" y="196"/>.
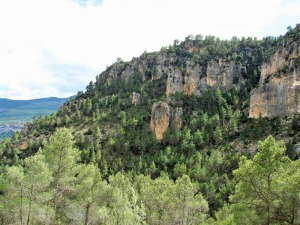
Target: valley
<point x="15" y="113"/>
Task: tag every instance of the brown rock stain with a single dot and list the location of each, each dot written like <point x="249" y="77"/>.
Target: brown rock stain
<point x="211" y="82"/>
<point x="176" y="118"/>
<point x="23" y="145"/>
<point x="141" y="69"/>
<point x="189" y="87"/>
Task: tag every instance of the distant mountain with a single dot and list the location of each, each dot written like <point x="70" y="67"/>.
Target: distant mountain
<point x="25" y="110"/>
<point x="14" y="113"/>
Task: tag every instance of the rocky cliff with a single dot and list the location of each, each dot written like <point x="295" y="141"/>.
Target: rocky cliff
<point x="194" y="78"/>
<point x="182" y="72"/>
<point x="196" y="65"/>
<point x="164" y="117"/>
<point x="190" y="68"/>
<point x="278" y="93"/>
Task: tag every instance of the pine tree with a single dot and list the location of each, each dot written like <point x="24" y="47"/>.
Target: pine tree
<point x="62" y="159"/>
<point x="258" y="193"/>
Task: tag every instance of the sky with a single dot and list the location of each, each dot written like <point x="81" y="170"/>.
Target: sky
<point x="56" y="47"/>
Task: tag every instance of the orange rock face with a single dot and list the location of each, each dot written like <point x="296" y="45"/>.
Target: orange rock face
<point x="160" y="116"/>
<point x="160" y="126"/>
<point x="23" y="145"/>
<point x="163" y="117"/>
<point x="278" y="61"/>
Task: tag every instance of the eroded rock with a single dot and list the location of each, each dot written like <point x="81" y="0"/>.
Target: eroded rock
<point x="160" y="119"/>
<point x="163" y="117"/>
<point x="279" y="90"/>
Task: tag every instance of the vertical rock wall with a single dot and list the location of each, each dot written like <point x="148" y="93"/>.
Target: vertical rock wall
<point x="160" y="119"/>
<point x="279" y="91"/>
<point x="163" y="117"/>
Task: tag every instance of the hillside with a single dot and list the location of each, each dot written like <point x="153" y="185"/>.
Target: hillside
<point x="187" y="121"/>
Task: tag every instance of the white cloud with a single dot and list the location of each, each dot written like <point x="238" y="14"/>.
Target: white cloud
<point x="38" y="38"/>
<point x="291" y="8"/>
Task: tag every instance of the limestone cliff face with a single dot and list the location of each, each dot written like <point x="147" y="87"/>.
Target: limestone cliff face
<point x="283" y="57"/>
<point x="279" y="91"/>
<point x="194" y="79"/>
<point x="190" y="77"/>
<point x="174" y="81"/>
<point x="164" y="117"/>
<point x="221" y="74"/>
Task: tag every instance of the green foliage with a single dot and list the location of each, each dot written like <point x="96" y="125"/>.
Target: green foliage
<point x="89" y="192"/>
<point x="261" y="192"/>
<point x="123" y="205"/>
<point x="25" y="193"/>
<point x="167" y="202"/>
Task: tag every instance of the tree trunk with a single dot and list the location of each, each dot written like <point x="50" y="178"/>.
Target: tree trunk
<point x="86" y="219"/>
<point x="21" y="209"/>
<point x="268" y="200"/>
<point x="29" y="207"/>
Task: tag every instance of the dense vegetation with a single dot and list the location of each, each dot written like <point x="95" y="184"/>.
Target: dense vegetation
<point x="98" y="162"/>
<point x="52" y="187"/>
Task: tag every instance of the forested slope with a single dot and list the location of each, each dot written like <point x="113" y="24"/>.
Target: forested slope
<point x="165" y="138"/>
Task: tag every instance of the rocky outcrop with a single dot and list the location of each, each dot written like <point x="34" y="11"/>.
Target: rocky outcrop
<point x="135" y="98"/>
<point x="176" y="118"/>
<point x="283" y="58"/>
<point x="174" y="81"/>
<point x="222" y="74"/>
<point x="279" y="91"/>
<point x="164" y="117"/>
<point x="279" y="97"/>
<point x="23" y="145"/>
<point x="160" y="119"/>
<point x="194" y="80"/>
<point x="182" y="74"/>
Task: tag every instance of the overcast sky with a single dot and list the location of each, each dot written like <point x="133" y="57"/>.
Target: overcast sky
<point x="55" y="47"/>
